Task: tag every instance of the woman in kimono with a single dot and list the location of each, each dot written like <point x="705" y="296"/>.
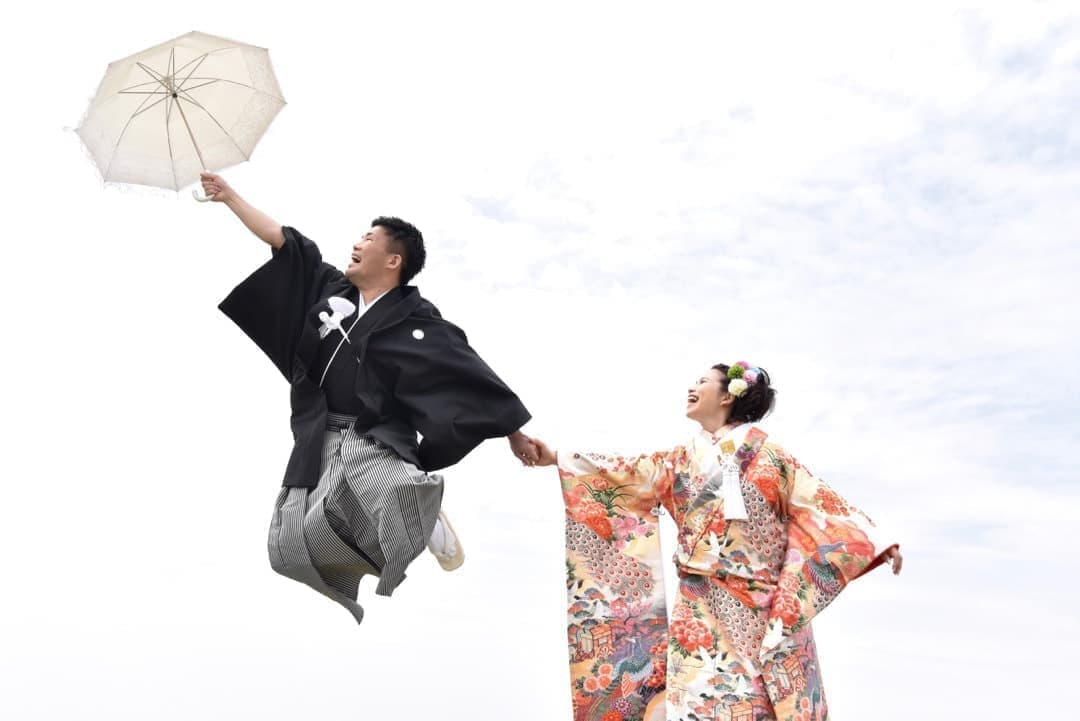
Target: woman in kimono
<point x="762" y="547"/>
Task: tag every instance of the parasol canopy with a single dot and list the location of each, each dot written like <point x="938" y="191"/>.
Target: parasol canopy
<point x="196" y="102"/>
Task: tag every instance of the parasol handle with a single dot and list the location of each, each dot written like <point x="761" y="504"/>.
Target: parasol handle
<point x="201" y="198"/>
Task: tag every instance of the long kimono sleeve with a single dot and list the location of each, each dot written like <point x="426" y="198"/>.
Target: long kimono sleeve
<point x="454" y="399"/>
<point x="830" y="543"/>
<point x="270" y="305"/>
<point x="617" y="618"/>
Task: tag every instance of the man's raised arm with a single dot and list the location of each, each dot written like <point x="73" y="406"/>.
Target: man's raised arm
<point x="262" y="225"/>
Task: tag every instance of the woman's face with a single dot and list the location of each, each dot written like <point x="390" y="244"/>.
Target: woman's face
<point x="704" y="399"/>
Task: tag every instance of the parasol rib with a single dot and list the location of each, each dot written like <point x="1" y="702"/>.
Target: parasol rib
<point x="168" y="138"/>
<point x="168" y="135"/>
<point x="197" y="104"/>
<point x="191" y="135"/>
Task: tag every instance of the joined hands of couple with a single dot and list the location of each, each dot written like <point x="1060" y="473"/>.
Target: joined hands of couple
<point x="531" y="451"/>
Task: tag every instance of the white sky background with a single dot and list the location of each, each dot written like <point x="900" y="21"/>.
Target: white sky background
<point x="878" y="205"/>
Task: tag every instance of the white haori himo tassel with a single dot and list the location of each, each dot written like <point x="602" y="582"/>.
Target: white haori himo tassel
<point x="342" y="308"/>
<point x="734" y="508"/>
<point x="725" y="465"/>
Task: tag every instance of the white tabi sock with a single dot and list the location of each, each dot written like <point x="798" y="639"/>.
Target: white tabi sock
<point x="442" y="540"/>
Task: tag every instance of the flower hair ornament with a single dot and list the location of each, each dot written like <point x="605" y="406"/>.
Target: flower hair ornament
<point x="741" y="376"/>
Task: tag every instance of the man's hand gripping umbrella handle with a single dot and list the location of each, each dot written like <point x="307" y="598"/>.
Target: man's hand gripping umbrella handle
<point x="200" y="198"/>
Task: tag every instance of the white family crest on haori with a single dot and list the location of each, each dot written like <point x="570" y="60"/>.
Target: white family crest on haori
<point x="196" y="102"/>
<point x="342" y="308"/>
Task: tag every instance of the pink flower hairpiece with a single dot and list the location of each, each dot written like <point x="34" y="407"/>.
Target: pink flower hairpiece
<point x="741" y="375"/>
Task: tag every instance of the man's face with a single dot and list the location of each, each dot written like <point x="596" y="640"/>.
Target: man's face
<point x="372" y="257"/>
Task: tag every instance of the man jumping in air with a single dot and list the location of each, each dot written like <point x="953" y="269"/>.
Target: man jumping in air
<point x="371" y="364"/>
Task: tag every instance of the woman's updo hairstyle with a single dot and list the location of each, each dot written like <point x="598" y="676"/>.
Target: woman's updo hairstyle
<point x="756" y="402"/>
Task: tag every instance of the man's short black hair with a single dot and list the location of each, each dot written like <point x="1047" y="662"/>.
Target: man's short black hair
<point x="406" y="241"/>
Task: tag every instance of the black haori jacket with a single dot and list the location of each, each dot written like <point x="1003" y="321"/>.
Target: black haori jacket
<point x="416" y="371"/>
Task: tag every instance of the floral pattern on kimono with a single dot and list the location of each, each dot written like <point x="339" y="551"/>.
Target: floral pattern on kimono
<point x="738" y="646"/>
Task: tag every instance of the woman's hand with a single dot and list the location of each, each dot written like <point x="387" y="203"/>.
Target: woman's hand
<point x="547" y="457"/>
<point x="893" y="554"/>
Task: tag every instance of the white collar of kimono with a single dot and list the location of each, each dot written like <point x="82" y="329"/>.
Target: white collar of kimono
<point x="364" y="306"/>
<point x="737" y="435"/>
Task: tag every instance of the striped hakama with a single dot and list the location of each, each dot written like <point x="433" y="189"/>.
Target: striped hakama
<point x="371" y="513"/>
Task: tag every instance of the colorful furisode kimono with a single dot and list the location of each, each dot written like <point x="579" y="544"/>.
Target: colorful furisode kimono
<point x="763" y="547"/>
